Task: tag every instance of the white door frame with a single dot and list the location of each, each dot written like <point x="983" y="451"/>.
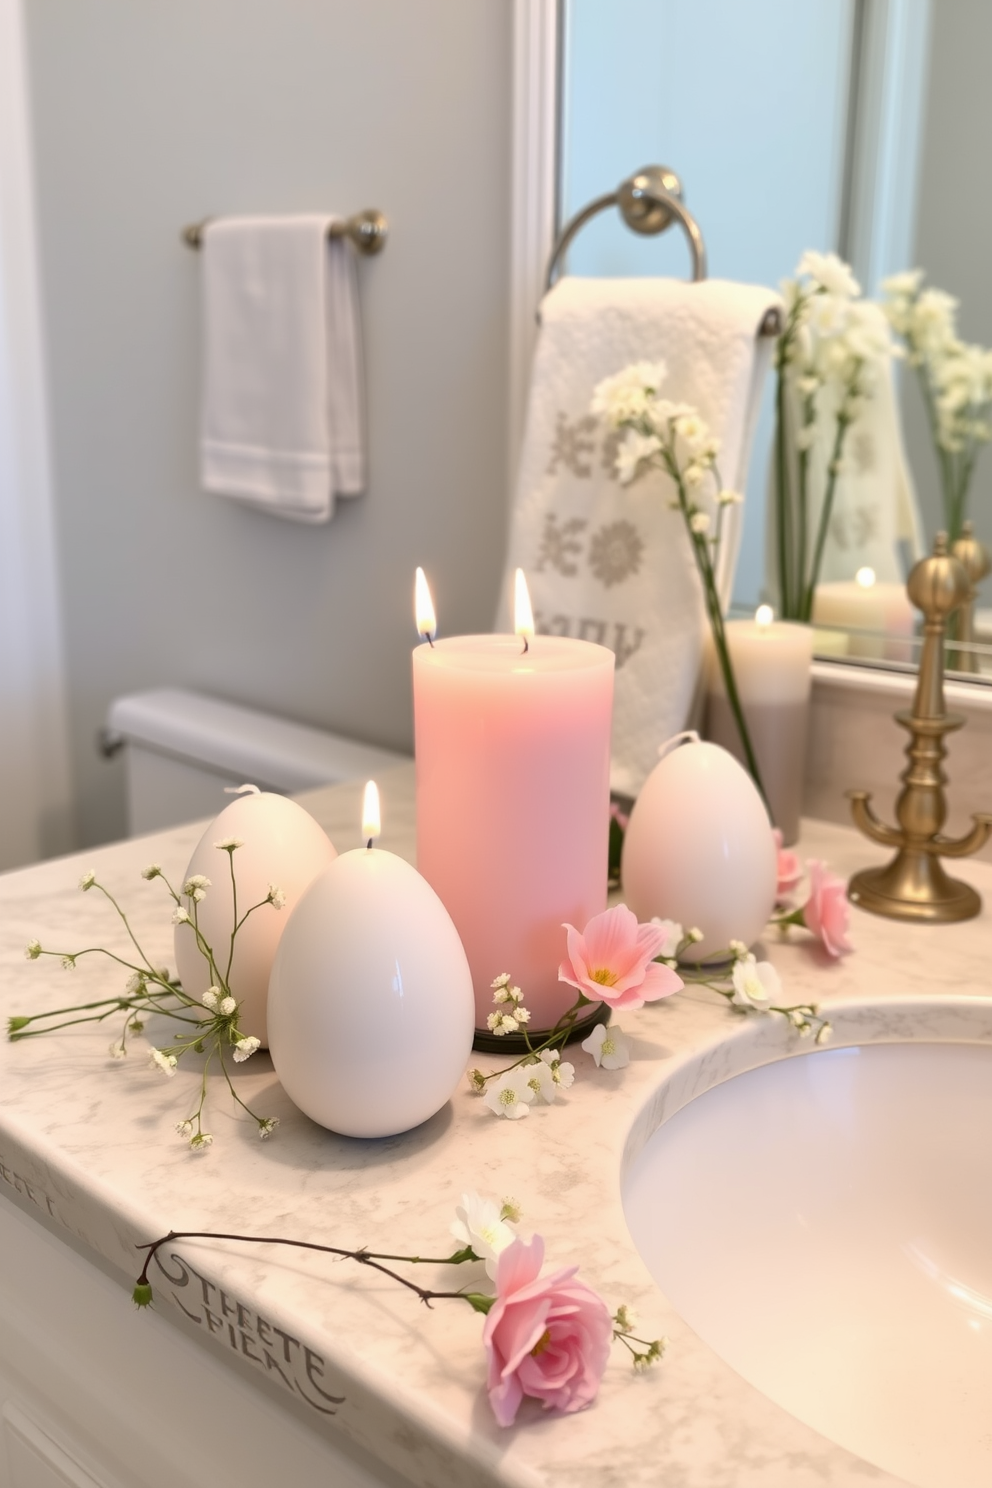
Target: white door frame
<point x="36" y="812"/>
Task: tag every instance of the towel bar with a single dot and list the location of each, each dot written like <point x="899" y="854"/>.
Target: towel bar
<point x="649" y="202"/>
<point x="368" y="231"/>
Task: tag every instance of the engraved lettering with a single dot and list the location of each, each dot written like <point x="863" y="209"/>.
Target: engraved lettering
<point x="315" y="1365"/>
<point x="271" y="1363"/>
<point x="214" y="1323"/>
<point x="194" y="1317"/>
<point x="593" y="630"/>
<point x="624" y="650"/>
<point x="227" y="1307"/>
<point x="245" y="1347"/>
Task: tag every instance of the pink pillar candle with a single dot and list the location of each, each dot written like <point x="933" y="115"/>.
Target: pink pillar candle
<point x="513" y="790"/>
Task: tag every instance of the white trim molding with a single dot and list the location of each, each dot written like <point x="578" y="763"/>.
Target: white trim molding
<point x="532" y="204"/>
<point x="889" y="93"/>
<point x="36" y="814"/>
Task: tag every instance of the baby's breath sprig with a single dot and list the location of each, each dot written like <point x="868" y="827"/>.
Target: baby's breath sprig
<point x="208" y="1025"/>
<point x="753" y="985"/>
<point x="645" y="1351"/>
<point x="540" y="1073"/>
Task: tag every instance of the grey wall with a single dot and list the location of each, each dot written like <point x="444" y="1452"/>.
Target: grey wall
<point x="954" y="229"/>
<point x="149" y="116"/>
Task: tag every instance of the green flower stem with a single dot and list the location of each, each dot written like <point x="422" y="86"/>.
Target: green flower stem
<point x="143" y="1291"/>
<point x="131" y="935"/>
<point x="783" y="497"/>
<point x="806" y="611"/>
<point x="554" y="1037"/>
<point x="234" y="913"/>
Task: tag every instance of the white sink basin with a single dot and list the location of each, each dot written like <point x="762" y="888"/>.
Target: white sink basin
<point x="825" y="1224"/>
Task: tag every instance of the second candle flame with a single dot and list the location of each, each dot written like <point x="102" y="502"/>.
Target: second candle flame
<point x="523" y="614"/>
<point x="371" y="818"/>
<point x="423" y="607"/>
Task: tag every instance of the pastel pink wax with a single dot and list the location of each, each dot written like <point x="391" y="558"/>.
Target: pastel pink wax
<point x="513" y="789"/>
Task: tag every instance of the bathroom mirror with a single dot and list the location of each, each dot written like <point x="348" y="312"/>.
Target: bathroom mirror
<point x="820" y="142"/>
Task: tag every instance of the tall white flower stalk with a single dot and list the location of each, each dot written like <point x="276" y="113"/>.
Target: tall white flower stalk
<point x="671" y="437"/>
<point x="956" y="381"/>
<point x="827" y="361"/>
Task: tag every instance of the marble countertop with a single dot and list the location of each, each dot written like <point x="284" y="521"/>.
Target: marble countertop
<point x="92" y="1144"/>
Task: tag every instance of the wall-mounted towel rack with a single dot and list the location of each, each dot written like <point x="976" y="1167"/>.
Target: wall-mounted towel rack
<point x="649" y="202"/>
<point x="368" y="231"/>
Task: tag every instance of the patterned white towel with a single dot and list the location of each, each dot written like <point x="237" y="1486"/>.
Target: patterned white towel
<point x="612" y="563"/>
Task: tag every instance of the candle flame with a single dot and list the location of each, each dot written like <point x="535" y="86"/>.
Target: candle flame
<point x="371" y="818"/>
<point x="423" y="607"/>
<point x="865" y="577"/>
<point x="523" y="614"/>
<point x="764" y="615"/>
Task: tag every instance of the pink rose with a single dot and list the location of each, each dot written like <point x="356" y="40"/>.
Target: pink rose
<point x="790" y="870"/>
<point x="547" y="1337"/>
<point x="612" y="961"/>
<point x="825" y="912"/>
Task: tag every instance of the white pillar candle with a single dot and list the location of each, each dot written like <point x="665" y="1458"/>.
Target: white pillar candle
<point x="880" y="615"/>
<point x="771" y="661"/>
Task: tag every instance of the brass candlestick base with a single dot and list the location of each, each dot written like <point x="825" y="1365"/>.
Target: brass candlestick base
<point x="914" y="886"/>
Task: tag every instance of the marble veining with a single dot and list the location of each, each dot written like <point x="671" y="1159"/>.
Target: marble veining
<point x="91" y="1144"/>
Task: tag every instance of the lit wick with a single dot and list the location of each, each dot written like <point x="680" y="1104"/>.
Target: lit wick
<point x="371" y="817"/>
<point x="523" y="613"/>
<point x="423" y="609"/>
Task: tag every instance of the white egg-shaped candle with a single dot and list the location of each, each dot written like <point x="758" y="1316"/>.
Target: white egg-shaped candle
<point x="371" y="1007"/>
<point x="280" y="847"/>
<point x="699" y="849"/>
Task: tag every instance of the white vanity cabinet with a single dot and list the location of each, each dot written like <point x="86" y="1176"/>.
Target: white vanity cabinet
<point x="95" y="1394"/>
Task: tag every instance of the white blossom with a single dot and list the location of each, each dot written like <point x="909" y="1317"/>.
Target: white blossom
<point x="117" y="1049"/>
<point x="503" y="980"/>
<point x="830" y="272"/>
<point x="32" y="950"/>
<point x="266" y="1126"/>
<point x="196" y="887"/>
<point x="154" y="870"/>
<point x="562" y="1073"/>
<point x="136" y="982"/>
<point x="210" y="998"/>
<point x="184" y="1128"/>
<point x="501" y="1023"/>
<point x="244" y="1048"/>
<point x="729" y="498"/>
<point x="674" y="936"/>
<point x="609" y="1046"/>
<point x="825" y="1034"/>
<point x="200" y="1141"/>
<point x="511" y="1094"/>
<point x="633" y="450"/>
<point x="88" y="880"/>
<point x="699" y="522"/>
<point x="479" y="1223"/>
<point x="164" y="1062"/>
<point x="541" y="1081"/>
<point x="625" y="395"/>
<point x="756" y="983"/>
<point x="276" y="897"/>
<point x="180" y="916"/>
<point x="228" y="844"/>
<point x="227" y="1006"/>
<point x="738" y="949"/>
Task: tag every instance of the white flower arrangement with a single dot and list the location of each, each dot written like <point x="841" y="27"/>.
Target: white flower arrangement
<point x="828" y="359"/>
<point x="956" y="381"/>
<point x="207" y="1025"/>
<point x="669" y="437"/>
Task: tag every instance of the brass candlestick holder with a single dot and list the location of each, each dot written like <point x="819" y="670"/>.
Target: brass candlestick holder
<point x="914" y="885"/>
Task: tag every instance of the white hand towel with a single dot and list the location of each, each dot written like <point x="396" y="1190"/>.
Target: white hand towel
<point x="612" y="563"/>
<point x="283" y="385"/>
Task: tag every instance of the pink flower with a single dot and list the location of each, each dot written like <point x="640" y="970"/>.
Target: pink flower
<point x="548" y="1337"/>
<point x="622" y="818"/>
<point x="790" y="870"/>
<point x="825" y="912"/>
<point x="612" y="961"/>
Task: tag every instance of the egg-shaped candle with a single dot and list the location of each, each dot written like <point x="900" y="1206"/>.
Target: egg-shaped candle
<point x="513" y="792"/>
<point x="280" y="846"/>
<point x="371" y="1013"/>
<point x="699" y="849"/>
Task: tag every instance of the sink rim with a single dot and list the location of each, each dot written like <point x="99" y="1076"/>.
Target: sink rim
<point x="763" y="1039"/>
